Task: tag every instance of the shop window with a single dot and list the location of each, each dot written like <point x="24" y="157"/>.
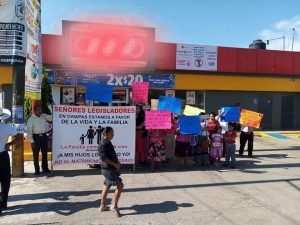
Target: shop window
<point x="196" y="97"/>
<point x="80" y="95"/>
<point x="119" y="95"/>
<point x="155" y="93"/>
<point x="67" y="95"/>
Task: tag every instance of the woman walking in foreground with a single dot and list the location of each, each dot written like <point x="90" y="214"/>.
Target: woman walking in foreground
<point x="110" y="168"/>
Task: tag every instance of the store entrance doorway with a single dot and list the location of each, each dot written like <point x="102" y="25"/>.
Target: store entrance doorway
<point x="287" y="112"/>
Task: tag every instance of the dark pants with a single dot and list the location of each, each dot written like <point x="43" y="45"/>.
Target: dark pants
<point x="246" y="136"/>
<point x="40" y="142"/>
<point x="4" y="177"/>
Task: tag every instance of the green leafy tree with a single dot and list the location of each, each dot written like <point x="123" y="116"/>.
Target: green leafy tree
<point x="47" y="99"/>
<point x="27" y="108"/>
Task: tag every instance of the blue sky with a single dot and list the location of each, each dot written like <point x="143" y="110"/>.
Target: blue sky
<point x="232" y="23"/>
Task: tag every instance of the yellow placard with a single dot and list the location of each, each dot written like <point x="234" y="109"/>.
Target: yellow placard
<point x="192" y="111"/>
<point x="250" y="118"/>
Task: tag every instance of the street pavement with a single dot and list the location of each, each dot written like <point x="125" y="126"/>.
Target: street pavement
<point x="261" y="190"/>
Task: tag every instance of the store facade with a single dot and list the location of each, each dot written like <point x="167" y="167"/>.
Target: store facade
<point x="260" y="80"/>
<point x="70" y="87"/>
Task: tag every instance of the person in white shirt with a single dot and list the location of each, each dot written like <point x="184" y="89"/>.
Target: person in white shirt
<point x="5" y="176"/>
<point x="246" y="135"/>
<point x="37" y="127"/>
<point x="204" y="122"/>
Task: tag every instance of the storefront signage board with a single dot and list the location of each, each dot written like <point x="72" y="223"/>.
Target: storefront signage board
<point x="196" y="57"/>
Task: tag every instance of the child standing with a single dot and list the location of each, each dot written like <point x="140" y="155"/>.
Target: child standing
<point x="182" y="149"/>
<point x="216" y="148"/>
<point x="230" y="137"/>
<point x="170" y="139"/>
<point x="201" y="152"/>
<point x="157" y="147"/>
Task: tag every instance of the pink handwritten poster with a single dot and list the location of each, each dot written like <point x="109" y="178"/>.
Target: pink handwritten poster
<point x="156" y="119"/>
<point x="140" y="91"/>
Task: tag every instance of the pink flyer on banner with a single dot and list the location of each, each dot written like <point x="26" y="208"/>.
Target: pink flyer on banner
<point x="140" y="91"/>
<point x="156" y="119"/>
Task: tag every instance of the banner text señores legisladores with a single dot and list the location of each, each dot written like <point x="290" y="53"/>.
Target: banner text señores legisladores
<point x="77" y="132"/>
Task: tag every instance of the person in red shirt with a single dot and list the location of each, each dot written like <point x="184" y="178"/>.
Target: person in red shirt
<point x="212" y="124"/>
<point x="230" y="147"/>
<point x="170" y="139"/>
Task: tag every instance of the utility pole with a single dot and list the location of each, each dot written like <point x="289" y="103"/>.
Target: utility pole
<point x="18" y="88"/>
<point x="293" y="39"/>
<point x="283" y="38"/>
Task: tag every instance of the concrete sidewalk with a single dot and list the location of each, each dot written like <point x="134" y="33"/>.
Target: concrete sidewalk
<point x="262" y="190"/>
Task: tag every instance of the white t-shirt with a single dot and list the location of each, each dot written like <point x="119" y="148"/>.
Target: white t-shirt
<point x="224" y="126"/>
<point x="246" y="128"/>
<point x="203" y="126"/>
<point x="6" y="131"/>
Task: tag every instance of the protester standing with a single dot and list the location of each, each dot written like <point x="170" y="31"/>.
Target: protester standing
<point x="157" y="147"/>
<point x="110" y="168"/>
<point x="204" y="125"/>
<point x="182" y="149"/>
<point x="212" y="124"/>
<point x="246" y="135"/>
<point x="140" y="124"/>
<point x="170" y="139"/>
<point x="201" y="151"/>
<point x="5" y="175"/>
<point x="230" y="147"/>
<point x="216" y="148"/>
<point x="37" y="128"/>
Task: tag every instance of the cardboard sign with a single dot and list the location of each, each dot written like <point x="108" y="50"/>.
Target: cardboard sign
<point x="169" y="103"/>
<point x="158" y="119"/>
<point x="250" y="118"/>
<point x="230" y="114"/>
<point x="192" y="111"/>
<point x="189" y="125"/>
<point x="140" y="91"/>
<point x="99" y="92"/>
<point x="154" y="104"/>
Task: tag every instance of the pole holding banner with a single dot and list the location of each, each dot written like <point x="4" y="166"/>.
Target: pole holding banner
<point x="18" y="118"/>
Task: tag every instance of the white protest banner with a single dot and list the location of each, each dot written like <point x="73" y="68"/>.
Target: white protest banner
<point x="77" y="131"/>
<point x="196" y="57"/>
